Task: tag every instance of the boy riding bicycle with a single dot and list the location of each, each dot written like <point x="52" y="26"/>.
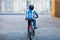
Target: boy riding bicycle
<point x="31" y="16"/>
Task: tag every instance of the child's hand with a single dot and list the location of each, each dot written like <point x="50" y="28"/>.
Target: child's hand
<point x="25" y="18"/>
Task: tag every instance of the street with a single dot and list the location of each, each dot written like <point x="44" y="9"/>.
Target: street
<point x="14" y="27"/>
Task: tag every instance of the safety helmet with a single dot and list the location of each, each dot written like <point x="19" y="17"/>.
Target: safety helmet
<point x="31" y="7"/>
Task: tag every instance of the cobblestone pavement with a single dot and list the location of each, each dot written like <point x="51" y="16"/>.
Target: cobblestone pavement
<point x="14" y="27"/>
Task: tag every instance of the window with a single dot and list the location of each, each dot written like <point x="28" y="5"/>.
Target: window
<point x="8" y="5"/>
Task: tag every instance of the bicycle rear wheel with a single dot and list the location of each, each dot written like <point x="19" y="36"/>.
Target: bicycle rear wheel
<point x="31" y="37"/>
<point x="30" y="33"/>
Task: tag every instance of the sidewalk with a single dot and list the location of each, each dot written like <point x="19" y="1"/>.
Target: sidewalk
<point x="14" y="27"/>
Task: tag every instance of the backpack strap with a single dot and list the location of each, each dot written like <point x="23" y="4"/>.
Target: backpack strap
<point x="32" y="11"/>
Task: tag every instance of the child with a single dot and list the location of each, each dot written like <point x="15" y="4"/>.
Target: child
<point x="31" y="15"/>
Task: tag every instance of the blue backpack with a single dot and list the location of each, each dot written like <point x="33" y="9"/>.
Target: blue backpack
<point x="30" y="14"/>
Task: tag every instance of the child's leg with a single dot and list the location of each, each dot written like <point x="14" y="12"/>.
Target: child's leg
<point x="29" y="24"/>
<point x="34" y="23"/>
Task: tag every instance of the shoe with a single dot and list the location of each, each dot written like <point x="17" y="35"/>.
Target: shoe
<point x="35" y="27"/>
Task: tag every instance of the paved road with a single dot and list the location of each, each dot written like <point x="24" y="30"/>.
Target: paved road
<point x="14" y="27"/>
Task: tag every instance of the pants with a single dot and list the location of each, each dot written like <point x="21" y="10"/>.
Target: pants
<point x="33" y="21"/>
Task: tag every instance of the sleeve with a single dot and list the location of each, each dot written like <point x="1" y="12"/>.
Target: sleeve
<point x="26" y="14"/>
<point x="36" y="14"/>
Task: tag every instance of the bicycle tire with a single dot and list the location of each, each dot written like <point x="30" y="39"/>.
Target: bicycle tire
<point x="30" y="37"/>
<point x="30" y="33"/>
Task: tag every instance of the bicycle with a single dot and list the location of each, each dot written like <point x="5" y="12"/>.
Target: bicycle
<point x="31" y="31"/>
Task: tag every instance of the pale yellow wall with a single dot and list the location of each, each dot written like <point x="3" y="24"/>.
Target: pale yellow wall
<point x="20" y="6"/>
<point x="37" y="5"/>
<point x="53" y="8"/>
<point x="15" y="6"/>
<point x="2" y="7"/>
<point x="41" y="5"/>
<point x="23" y="6"/>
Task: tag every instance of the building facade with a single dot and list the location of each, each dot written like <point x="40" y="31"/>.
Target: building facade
<point x="20" y="6"/>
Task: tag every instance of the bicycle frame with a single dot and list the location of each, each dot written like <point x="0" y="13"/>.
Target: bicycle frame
<point x="31" y="31"/>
